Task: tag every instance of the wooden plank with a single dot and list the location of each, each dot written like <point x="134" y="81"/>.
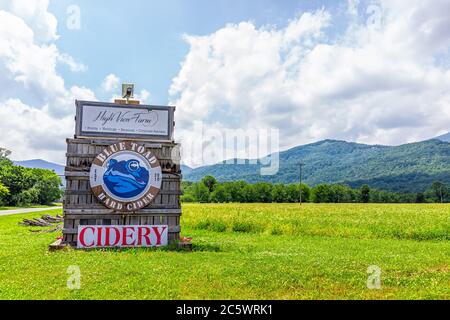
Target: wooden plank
<point x="108" y="141"/>
<point x="86" y="174"/>
<point x="105" y="211"/>
<point x="73" y="176"/>
<point x="93" y="155"/>
<point x="89" y="192"/>
<point x="76" y="174"/>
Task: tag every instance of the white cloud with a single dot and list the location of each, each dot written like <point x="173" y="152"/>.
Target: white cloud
<point x="38" y="18"/>
<point x="30" y="68"/>
<point x="383" y="84"/>
<point x="110" y="83"/>
<point x="352" y="7"/>
<point x="32" y="133"/>
<point x="143" y="96"/>
<point x="36" y="108"/>
<point x="71" y="63"/>
<point x="365" y="84"/>
<point x="308" y="27"/>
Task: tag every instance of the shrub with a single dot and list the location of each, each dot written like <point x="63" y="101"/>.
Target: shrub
<point x="188" y="198"/>
<point x="4" y="193"/>
<point x="26" y="197"/>
<point x="212" y="225"/>
<point x="28" y="186"/>
<point x="220" y="195"/>
<point x="242" y="226"/>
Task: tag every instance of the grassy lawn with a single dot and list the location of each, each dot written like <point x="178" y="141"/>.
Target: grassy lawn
<point x="253" y="251"/>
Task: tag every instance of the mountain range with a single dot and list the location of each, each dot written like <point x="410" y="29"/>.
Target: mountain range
<point x="444" y="137"/>
<point x="405" y="168"/>
<point x="41" y="164"/>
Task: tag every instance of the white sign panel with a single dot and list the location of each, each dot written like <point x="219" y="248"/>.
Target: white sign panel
<point x="128" y="121"/>
<point x="122" y="236"/>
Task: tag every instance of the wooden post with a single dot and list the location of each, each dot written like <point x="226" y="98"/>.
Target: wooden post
<point x="127" y="101"/>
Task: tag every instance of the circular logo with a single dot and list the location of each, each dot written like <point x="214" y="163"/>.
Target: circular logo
<point x="125" y="176"/>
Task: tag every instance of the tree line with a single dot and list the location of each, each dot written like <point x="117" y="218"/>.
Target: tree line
<point x="209" y="190"/>
<point x="21" y="186"/>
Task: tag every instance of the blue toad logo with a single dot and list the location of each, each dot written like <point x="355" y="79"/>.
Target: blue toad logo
<point x="126" y="179"/>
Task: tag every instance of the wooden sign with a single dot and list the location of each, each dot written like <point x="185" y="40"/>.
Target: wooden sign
<point x="122" y="236"/>
<point x="125" y="176"/>
<point x="100" y="119"/>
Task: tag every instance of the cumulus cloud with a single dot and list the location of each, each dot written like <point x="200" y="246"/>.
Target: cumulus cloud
<point x="38" y="18"/>
<point x="36" y="107"/>
<point x="143" y="96"/>
<point x="71" y="63"/>
<point x="375" y="82"/>
<point x="32" y="133"/>
<point x="110" y="83"/>
<point x="352" y="7"/>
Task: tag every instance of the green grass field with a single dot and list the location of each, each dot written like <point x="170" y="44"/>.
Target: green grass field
<point x="249" y="251"/>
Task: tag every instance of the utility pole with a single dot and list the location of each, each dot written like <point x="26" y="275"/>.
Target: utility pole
<point x="301" y="173"/>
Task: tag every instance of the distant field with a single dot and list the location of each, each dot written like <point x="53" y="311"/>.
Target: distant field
<point x="249" y="251"/>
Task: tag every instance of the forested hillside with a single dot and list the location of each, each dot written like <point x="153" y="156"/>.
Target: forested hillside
<point x="406" y="168"/>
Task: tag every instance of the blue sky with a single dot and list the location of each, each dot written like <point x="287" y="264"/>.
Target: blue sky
<point x="141" y="41"/>
<point x="368" y="71"/>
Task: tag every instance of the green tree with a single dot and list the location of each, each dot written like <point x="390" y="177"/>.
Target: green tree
<point x="250" y="193"/>
<point x="201" y="192"/>
<point x="306" y="193"/>
<point x="293" y="193"/>
<point x="188" y="198"/>
<point x="210" y="182"/>
<point x="341" y="194"/>
<point x="440" y="191"/>
<point x="420" y="197"/>
<point x="365" y="193"/>
<point x="17" y="179"/>
<point x="26" y="197"/>
<point x="263" y="192"/>
<point x="28" y="186"/>
<point x="236" y="190"/>
<point x="322" y="193"/>
<point x="187" y="191"/>
<point x="279" y="193"/>
<point x="4" y="193"/>
<point x="48" y="185"/>
<point x="220" y="195"/>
